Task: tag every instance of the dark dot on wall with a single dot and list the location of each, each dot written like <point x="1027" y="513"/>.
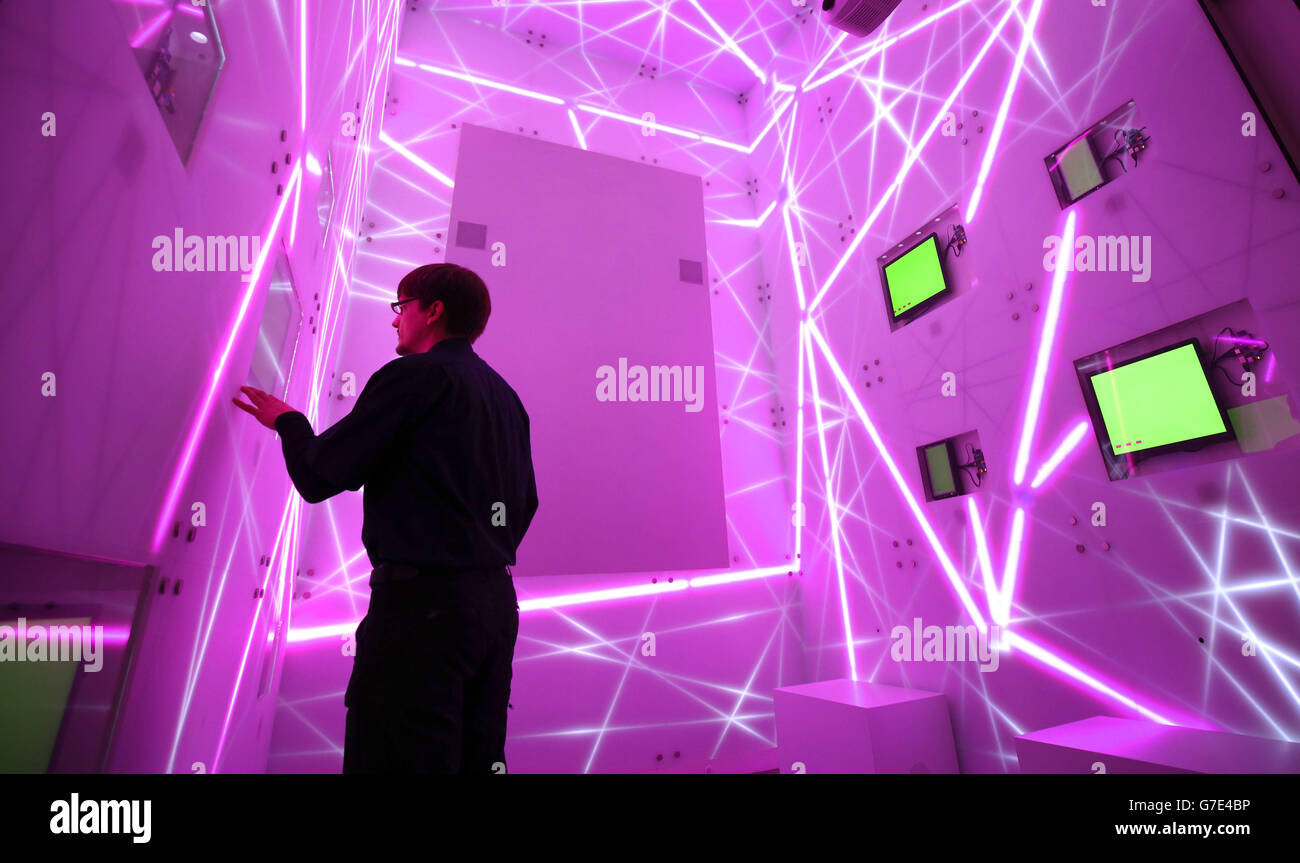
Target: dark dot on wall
<point x="1208" y="492"/>
<point x="1079" y="548"/>
<point x="909" y="542"/>
<point x="895" y="543"/>
<point x="1201" y="640"/>
<point x="900" y="564"/>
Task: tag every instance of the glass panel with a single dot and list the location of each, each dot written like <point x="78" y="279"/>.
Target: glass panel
<point x="325" y="198"/>
<point x="179" y="51"/>
<point x="277" y="337"/>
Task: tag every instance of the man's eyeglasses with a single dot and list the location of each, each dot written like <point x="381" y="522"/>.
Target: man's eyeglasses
<point x="397" y="306"/>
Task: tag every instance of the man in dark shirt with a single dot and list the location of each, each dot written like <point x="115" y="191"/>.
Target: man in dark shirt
<point x="441" y="443"/>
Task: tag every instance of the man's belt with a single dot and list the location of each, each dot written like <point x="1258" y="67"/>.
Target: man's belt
<point x="388" y="572"/>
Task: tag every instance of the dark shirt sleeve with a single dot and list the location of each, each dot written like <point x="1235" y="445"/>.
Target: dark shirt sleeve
<point x="530" y="500"/>
<point x="343" y="456"/>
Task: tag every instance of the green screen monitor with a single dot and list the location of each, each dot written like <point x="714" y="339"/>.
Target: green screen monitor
<point x="34" y="696"/>
<point x="914" y="280"/>
<point x="937" y="471"/>
<point x="1158" y="402"/>
<point x="1079" y="169"/>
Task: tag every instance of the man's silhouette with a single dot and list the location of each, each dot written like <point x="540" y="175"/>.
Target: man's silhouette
<point x="441" y="443"/>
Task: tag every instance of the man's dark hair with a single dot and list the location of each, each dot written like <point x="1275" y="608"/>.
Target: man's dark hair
<point x="464" y="297"/>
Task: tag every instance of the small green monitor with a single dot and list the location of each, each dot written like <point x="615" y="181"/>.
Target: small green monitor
<point x="914" y="280"/>
<point x="1079" y="169"/>
<point x="937" y="461"/>
<point x="1159" y="401"/>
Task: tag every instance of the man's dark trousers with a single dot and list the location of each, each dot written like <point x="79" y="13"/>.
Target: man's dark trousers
<point x="431" y="680"/>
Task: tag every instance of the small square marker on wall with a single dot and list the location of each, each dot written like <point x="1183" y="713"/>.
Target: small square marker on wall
<point x="470" y="235"/>
<point x="690" y="271"/>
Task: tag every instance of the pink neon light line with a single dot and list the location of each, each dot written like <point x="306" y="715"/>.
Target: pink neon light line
<point x="1046" y="341"/>
<point x="875" y="49"/>
<point x="1011" y="571"/>
<point x="914" y="153"/>
<point x="982" y="555"/>
<point x="1003" y="110"/>
<point x="801" y="514"/>
<point x="149" y="29"/>
<point x="1062" y="451"/>
<point x="1094" y="681"/>
<point x="832" y="507"/>
<point x="587" y="597"/>
<point x="218" y="372"/>
<point x="302" y="61"/>
<point x="945" y="561"/>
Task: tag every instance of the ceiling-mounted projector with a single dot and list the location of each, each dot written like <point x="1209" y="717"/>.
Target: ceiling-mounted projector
<point x="858" y="17"/>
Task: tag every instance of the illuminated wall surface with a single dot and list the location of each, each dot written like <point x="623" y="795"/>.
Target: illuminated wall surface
<point x="328" y="136"/>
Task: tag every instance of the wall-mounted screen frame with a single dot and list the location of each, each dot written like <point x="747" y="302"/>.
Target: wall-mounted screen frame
<point x="914" y="281"/>
<point x="1082" y="167"/>
<point x="939" y="477"/>
<point x="178" y="48"/>
<point x="279" y="332"/>
<point x="1149" y="382"/>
